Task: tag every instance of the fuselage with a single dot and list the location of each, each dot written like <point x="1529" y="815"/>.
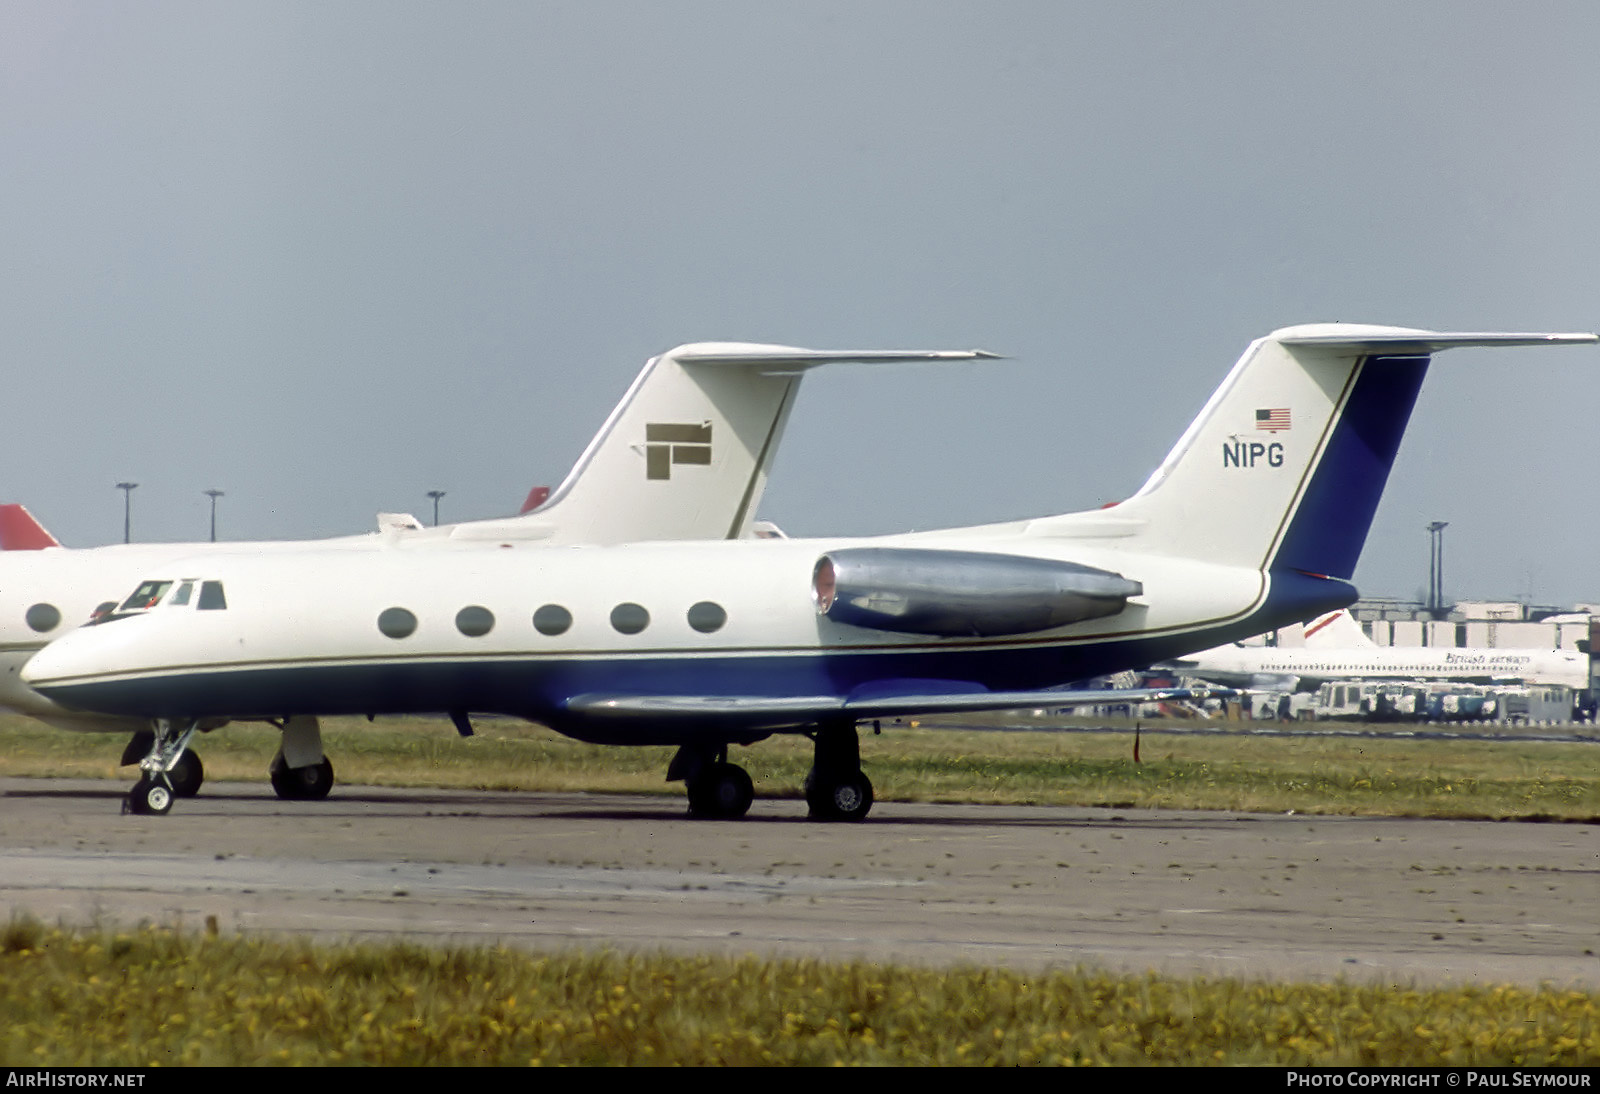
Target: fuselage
<point x="526" y="632"/>
<point x="1310" y="668"/>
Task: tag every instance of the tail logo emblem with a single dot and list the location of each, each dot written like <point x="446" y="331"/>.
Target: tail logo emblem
<point x="668" y="443"/>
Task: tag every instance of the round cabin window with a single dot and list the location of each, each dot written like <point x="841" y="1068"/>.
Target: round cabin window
<point x="474" y="621"/>
<point x="707" y="617"/>
<point x="552" y="619"/>
<point x="629" y="618"/>
<point x="397" y="622"/>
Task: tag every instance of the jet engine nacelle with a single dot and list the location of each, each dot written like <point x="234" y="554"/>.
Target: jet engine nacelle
<point x="951" y="593"/>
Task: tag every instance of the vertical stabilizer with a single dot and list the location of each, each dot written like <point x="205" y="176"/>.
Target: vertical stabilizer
<point x="1284" y="467"/>
<point x="19" y="531"/>
<point x="1337" y="631"/>
<point x="686" y="454"/>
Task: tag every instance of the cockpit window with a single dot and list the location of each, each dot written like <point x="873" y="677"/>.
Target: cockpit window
<point x="211" y="597"/>
<point x="147" y="595"/>
<point x="181" y="597"/>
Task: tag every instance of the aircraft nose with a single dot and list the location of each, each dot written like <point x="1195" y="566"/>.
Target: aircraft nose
<point x="66" y="658"/>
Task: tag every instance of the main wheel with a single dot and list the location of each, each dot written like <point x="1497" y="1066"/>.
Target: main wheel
<point x="304" y="783"/>
<point x="842" y="796"/>
<point x="723" y="792"/>
<point x="187" y="775"/>
<point x="149" y="798"/>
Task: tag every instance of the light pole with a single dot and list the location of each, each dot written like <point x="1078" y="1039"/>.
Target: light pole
<point x="436" y="495"/>
<point x="213" y="495"/>
<point x="127" y="489"/>
<point x="1436" y="566"/>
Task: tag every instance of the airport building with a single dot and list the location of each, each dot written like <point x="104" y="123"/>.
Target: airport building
<point x="1493" y="624"/>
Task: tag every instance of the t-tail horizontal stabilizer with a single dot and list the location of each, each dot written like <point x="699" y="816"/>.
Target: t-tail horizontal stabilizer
<point x="686" y="454"/>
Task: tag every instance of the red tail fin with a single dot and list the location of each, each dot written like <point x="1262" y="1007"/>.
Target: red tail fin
<point x="20" y="532"/>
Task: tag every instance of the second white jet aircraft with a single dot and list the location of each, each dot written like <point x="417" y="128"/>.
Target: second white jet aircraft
<point x="1254" y="520"/>
<point x="684" y="456"/>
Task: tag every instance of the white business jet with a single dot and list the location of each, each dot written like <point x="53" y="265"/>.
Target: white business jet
<point x="1255" y="519"/>
<point x="684" y="456"/>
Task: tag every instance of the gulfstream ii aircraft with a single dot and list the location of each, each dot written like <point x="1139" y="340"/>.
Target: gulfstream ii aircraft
<point x="684" y="456"/>
<point x="1254" y="520"/>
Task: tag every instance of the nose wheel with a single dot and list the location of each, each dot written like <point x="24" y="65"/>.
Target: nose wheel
<point x="167" y="771"/>
<point x="149" y="797"/>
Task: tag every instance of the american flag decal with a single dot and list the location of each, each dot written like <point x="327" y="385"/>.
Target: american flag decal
<point x="1273" y="421"/>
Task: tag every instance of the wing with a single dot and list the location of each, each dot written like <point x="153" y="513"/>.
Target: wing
<point x="761" y="712"/>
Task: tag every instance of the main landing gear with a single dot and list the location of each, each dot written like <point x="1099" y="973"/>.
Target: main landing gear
<point x="309" y="783"/>
<point x="835" y="789"/>
<point x="718" y="790"/>
<point x="301" y="771"/>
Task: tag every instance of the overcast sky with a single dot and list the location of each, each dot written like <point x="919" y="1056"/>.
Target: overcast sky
<point x="326" y="257"/>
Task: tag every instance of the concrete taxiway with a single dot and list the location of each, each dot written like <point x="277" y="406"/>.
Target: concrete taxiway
<point x="1408" y="901"/>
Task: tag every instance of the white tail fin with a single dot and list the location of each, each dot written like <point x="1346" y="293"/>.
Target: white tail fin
<point x="686" y="453"/>
<point x="1283" y="469"/>
<point x="1336" y="631"/>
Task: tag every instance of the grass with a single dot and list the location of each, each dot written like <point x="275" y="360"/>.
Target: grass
<point x="1470" y="778"/>
<point x="159" y="996"/>
<point x="155" y="997"/>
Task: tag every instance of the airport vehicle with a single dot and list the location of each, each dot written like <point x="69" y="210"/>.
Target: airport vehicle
<point x="684" y="456"/>
<point x="1336" y="649"/>
<point x="1255" y="519"/>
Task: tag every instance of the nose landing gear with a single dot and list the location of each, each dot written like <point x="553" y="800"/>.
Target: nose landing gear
<point x="168" y="770"/>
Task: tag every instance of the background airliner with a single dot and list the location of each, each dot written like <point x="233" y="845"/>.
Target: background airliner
<point x="685" y="455"/>
<point x="1255" y="519"/>
<point x="1336" y="648"/>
